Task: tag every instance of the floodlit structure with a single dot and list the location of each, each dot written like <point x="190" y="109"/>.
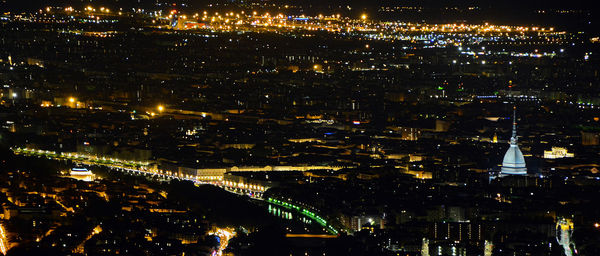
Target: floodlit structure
<point x="425" y="247"/>
<point x="557" y="152"/>
<point x="514" y="162"/>
<point x="564" y="232"/>
<point x="81" y="174"/>
<point x="488" y="248"/>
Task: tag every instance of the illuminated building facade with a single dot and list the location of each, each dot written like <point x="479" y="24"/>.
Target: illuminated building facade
<point x="425" y="247"/>
<point x="557" y="152"/>
<point x="488" y="248"/>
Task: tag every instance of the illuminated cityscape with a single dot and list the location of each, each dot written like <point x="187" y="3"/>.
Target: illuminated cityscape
<point x="276" y="127"/>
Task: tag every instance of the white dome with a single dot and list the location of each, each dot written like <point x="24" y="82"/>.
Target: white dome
<point x="514" y="162"/>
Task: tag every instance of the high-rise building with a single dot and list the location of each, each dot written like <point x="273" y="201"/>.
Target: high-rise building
<point x="488" y="248"/>
<point x="564" y="233"/>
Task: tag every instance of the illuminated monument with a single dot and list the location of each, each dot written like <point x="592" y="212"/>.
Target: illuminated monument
<point x="514" y="162"/>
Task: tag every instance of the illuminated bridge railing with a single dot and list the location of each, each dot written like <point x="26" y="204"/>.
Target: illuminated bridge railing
<point x="305" y="212"/>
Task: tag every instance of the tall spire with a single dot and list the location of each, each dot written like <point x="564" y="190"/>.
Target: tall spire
<point x="514" y="129"/>
<point x="514" y="162"/>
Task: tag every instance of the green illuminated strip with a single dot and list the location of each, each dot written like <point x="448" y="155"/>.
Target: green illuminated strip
<point x="304" y="212"/>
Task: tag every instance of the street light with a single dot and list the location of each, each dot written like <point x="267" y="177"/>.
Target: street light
<point x="160" y="108"/>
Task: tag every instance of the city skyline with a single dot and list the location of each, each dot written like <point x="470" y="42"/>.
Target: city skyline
<point x="299" y="128"/>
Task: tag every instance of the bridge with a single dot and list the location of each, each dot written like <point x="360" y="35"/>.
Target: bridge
<point x="310" y="236"/>
<point x="145" y="169"/>
<point x="306" y="212"/>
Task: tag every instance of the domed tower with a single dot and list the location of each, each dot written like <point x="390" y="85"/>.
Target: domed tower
<point x="514" y="162"/>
